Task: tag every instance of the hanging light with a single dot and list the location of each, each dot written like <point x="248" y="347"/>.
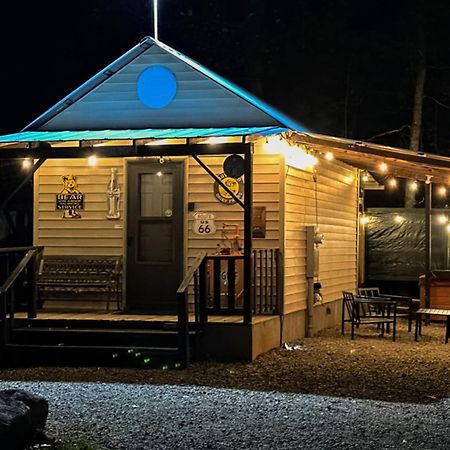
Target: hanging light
<point x="442" y="191"/>
<point x="442" y="219"/>
<point x="383" y="167"/>
<point x="329" y="156"/>
<point x="364" y="219"/>
<point x="414" y="186"/>
<point x="392" y="182"/>
<point x="159" y="174"/>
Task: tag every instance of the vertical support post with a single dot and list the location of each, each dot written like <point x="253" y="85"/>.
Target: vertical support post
<point x="32" y="305"/>
<point x="183" y="329"/>
<point x="231" y="278"/>
<point x="203" y="294"/>
<point x="248" y="202"/>
<point x="3" y="329"/>
<point x="428" y="191"/>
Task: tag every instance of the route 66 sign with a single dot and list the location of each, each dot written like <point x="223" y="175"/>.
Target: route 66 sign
<point x="204" y="224"/>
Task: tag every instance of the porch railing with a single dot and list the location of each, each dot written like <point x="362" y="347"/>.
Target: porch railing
<point x="193" y="274"/>
<point x="8" y="288"/>
<point x="216" y="285"/>
<point x="225" y="283"/>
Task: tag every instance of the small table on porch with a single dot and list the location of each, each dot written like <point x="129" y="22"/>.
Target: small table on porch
<point x="430" y="312"/>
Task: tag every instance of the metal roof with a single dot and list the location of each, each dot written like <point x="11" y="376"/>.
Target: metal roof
<point x="368" y="156"/>
<point x="187" y="94"/>
<point x="94" y="135"/>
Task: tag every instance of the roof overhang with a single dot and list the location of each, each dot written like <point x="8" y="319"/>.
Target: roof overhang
<point x="401" y="163"/>
<point x="363" y="155"/>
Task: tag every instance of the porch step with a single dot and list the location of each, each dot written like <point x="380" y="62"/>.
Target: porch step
<point x="93" y="342"/>
<point x="88" y="337"/>
<point x="20" y="355"/>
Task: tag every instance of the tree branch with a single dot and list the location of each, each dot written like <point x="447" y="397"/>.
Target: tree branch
<point x="398" y="130"/>
<point x="437" y="102"/>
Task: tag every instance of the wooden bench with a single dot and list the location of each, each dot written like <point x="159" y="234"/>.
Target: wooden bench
<point x="95" y="275"/>
<point x="432" y="312"/>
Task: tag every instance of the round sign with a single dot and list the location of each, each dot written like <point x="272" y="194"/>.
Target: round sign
<point x="233" y="166"/>
<point x="233" y="184"/>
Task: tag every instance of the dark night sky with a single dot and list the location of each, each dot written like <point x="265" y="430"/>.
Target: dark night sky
<point x="340" y="67"/>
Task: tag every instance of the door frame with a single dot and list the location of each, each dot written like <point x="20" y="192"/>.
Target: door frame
<point x="183" y="161"/>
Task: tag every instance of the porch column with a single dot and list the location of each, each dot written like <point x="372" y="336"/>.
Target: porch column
<point x="248" y="202"/>
<point x="428" y="191"/>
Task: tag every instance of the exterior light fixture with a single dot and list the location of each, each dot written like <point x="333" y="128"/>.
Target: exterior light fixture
<point x="392" y="182"/>
<point x="442" y="219"/>
<point x="159" y="174"/>
<point x="398" y="218"/>
<point x="442" y="191"/>
<point x="329" y="156"/>
<point x="365" y="177"/>
<point x="26" y="164"/>
<point x="92" y="160"/>
<point x="383" y="167"/>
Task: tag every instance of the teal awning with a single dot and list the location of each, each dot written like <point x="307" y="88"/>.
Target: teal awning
<point x="94" y="135"/>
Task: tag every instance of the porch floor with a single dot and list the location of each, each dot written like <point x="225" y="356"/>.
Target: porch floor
<point x="114" y="316"/>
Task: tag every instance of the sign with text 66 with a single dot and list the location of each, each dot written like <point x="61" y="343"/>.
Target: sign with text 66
<point x="204" y="224"/>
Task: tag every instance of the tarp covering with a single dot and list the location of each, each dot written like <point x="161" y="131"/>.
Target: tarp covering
<point x="395" y="244"/>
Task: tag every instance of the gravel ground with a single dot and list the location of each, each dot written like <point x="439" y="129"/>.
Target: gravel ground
<point x="367" y="393"/>
<point x="133" y="417"/>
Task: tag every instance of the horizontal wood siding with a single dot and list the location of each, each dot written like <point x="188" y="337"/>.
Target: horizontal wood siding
<point x="266" y="192"/>
<point x="93" y="234"/>
<point x="336" y="215"/>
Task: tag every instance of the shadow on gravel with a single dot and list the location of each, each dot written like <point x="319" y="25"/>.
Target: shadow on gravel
<point x="370" y="367"/>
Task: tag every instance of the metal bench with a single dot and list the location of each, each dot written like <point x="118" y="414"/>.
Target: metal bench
<point x="431" y="312"/>
<point x="78" y="275"/>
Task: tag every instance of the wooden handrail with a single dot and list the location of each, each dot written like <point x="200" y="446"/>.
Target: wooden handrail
<point x="190" y="273"/>
<point x="20" y="249"/>
<point x="18" y="270"/>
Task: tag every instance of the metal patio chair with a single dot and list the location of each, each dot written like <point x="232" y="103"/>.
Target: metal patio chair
<point x="368" y="311"/>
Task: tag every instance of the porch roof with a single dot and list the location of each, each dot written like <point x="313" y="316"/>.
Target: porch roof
<point x="26" y="137"/>
<point x="368" y="156"/>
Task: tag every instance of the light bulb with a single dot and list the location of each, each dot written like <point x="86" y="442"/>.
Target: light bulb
<point x="92" y="160"/>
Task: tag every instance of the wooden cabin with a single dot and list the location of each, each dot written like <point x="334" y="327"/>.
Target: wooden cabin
<point x="225" y="216"/>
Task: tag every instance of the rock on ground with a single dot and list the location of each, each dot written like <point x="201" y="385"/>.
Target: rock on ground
<point x="21" y="414"/>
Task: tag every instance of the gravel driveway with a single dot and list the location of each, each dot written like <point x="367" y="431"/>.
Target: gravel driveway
<point x="138" y="417"/>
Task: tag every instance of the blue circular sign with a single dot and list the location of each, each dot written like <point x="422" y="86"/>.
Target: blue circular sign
<point x="156" y="87"/>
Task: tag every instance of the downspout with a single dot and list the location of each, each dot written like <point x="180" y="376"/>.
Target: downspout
<point x="310" y="265"/>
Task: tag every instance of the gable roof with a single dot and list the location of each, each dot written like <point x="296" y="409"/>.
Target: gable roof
<point x="154" y="86"/>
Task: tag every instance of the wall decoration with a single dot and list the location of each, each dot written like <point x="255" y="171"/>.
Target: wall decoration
<point x="259" y="222"/>
<point x="234" y="184"/>
<point x="70" y="199"/>
<point x="234" y="166"/>
<point x="113" y="196"/>
<point x="204" y="224"/>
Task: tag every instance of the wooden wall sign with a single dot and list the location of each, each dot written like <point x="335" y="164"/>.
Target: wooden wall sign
<point x="259" y="222"/>
<point x="70" y="199"/>
<point x="234" y="184"/>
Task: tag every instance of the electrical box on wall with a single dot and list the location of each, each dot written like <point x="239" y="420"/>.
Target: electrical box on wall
<point x="313" y="239"/>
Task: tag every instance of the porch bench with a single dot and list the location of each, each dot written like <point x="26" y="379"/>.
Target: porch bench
<point x="80" y="274"/>
<point x="432" y="312"/>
